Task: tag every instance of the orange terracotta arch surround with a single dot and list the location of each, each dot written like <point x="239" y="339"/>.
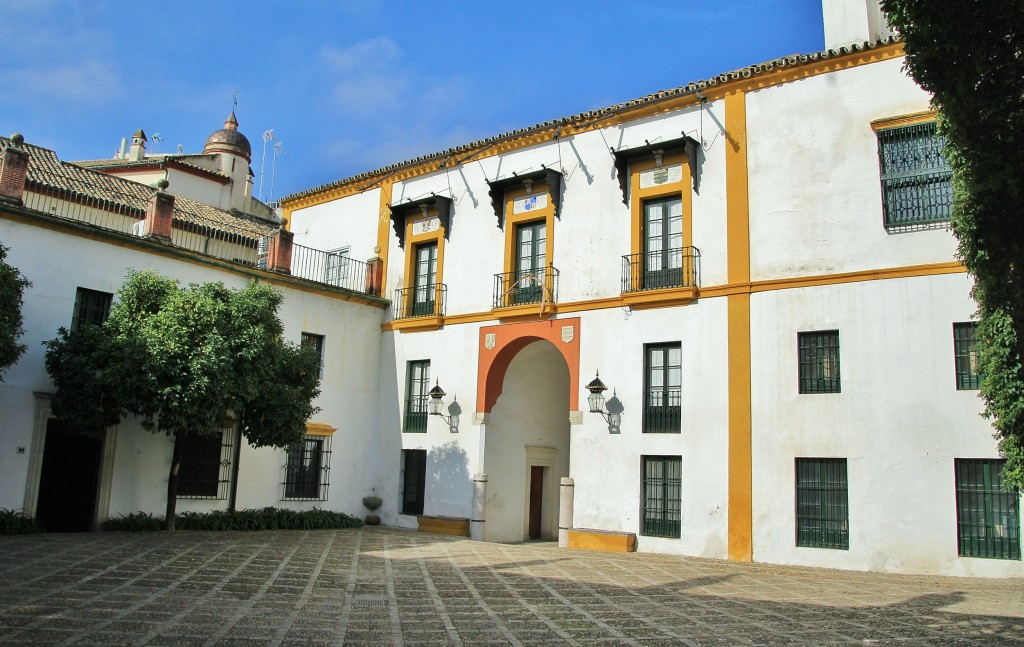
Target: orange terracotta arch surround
<point x="508" y="340"/>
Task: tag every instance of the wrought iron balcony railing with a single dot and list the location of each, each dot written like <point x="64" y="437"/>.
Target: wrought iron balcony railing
<point x="526" y="287"/>
<point x="330" y="268"/>
<point x="667" y="268"/>
<point x="421" y="301"/>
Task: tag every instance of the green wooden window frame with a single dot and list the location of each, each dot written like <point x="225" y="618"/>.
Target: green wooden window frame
<point x="916" y="188"/>
<point x="417" y="397"/>
<point x="663" y="409"/>
<point x="822" y="503"/>
<point x="663" y="243"/>
<point x="661" y="496"/>
<point x="819" y="361"/>
<point x="530" y="262"/>
<point x="987" y="514"/>
<point x="965" y="352"/>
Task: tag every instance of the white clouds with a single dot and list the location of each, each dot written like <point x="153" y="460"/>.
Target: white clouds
<point x="359" y="58"/>
<point x="82" y="82"/>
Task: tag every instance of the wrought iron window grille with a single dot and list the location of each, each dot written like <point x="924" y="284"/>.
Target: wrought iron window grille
<point x="661" y="505"/>
<point x="822" y="507"/>
<point x="819" y="361"/>
<point x="307" y="469"/>
<point x="987" y="518"/>
<point x="916" y="188"/>
<point x="205" y="471"/>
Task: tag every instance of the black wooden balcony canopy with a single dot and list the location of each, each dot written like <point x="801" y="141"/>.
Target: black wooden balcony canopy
<point x="414" y="208"/>
<point x="497" y="189"/>
<point x="624" y="156"/>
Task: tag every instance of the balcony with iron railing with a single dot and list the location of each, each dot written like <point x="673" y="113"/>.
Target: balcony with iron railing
<point x="664" y="277"/>
<point x="330" y="269"/>
<point x="121" y="207"/>
<point x="420" y="302"/>
<point x="526" y="290"/>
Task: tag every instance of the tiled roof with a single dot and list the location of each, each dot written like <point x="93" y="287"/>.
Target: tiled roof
<point x="794" y="60"/>
<point x="46" y="171"/>
<point x="151" y="160"/>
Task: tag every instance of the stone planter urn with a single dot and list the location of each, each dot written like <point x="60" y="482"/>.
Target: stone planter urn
<point x="372" y="503"/>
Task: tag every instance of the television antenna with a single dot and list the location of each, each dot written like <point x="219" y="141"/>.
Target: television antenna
<point x="268" y="136"/>
<point x="278" y="148"/>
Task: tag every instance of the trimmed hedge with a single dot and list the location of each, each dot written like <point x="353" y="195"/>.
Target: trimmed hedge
<point x="251" y="519"/>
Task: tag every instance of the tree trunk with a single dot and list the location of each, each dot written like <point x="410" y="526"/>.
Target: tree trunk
<point x="172" y="485"/>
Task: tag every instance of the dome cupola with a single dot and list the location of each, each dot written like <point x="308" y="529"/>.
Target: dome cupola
<point x="229" y="140"/>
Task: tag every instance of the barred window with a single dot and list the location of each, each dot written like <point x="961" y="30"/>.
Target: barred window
<point x="965" y="350"/>
<point x="662" y="388"/>
<point x="414" y="477"/>
<point x="91" y="307"/>
<point x="987" y="520"/>
<point x="205" y="471"/>
<point x="822" y="509"/>
<point x="316" y="342"/>
<point x="662" y="496"/>
<point x="307" y="469"/>
<point x="417" y="396"/>
<point x="916" y="187"/>
<point x="819" y="361"/>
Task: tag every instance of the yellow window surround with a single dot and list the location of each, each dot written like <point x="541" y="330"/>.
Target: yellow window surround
<point x="319" y="429"/>
<point x="512" y="220"/>
<point x="903" y="120"/>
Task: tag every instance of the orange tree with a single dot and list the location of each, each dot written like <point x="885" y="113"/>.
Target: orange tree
<point x="179" y="359"/>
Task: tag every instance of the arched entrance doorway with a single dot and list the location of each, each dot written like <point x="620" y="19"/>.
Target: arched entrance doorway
<point x="530" y="378"/>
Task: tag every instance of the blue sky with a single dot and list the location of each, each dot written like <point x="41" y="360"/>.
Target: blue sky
<point x="349" y="86"/>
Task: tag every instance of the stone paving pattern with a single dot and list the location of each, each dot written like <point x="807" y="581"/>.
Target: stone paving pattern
<point x="379" y="586"/>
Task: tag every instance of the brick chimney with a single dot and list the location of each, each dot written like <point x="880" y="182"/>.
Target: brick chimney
<point x="279" y="250"/>
<point x="160" y="214"/>
<point x="375" y="274"/>
<point x="13" y="170"/>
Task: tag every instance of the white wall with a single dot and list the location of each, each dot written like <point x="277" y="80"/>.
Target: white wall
<point x="58" y="263"/>
<point x="899" y="421"/>
<point x="815" y="194"/>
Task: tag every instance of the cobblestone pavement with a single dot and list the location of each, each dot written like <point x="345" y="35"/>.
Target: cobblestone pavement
<point x="392" y="587"/>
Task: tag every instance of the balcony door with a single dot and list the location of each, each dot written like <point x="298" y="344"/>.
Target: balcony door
<point x="425" y="283"/>
<point x="531" y="246"/>
<point x="663" y="243"/>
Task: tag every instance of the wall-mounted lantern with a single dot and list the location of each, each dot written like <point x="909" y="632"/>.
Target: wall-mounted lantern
<point x="437" y="408"/>
<point x="612" y="414"/>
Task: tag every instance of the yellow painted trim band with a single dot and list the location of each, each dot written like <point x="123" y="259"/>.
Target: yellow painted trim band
<point x="384" y="231"/>
<point x="737" y="205"/>
<point x="681" y="296"/>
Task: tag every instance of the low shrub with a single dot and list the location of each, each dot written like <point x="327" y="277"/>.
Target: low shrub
<point x="269" y="518"/>
<point x="135" y="522"/>
<point x="16" y="522"/>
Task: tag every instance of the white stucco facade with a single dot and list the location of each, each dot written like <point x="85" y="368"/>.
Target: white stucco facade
<point x="815" y="255"/>
<point x="771" y="181"/>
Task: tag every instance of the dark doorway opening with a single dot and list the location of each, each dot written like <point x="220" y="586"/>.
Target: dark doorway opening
<point x="536" y="500"/>
<point x="68" y="481"/>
